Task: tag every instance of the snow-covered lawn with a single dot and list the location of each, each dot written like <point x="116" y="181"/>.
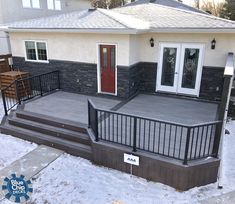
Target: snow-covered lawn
<point x="72" y="180"/>
<point x="12" y="148"/>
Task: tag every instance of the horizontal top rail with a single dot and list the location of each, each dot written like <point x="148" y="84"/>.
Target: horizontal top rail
<point x="34" y="76"/>
<point x="156" y="120"/>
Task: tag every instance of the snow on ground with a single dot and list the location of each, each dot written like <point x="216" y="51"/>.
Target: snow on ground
<point x="72" y="180"/>
<point x="12" y="148"/>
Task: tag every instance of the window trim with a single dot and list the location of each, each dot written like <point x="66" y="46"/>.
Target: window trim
<point x="31" y="5"/>
<point x="36" y="49"/>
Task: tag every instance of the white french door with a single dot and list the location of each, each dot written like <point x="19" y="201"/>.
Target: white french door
<point x="180" y="67"/>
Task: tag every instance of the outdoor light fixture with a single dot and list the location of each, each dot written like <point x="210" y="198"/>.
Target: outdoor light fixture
<point x="213" y="42"/>
<point x="151" y="42"/>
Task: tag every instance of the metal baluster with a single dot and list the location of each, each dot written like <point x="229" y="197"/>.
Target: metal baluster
<point x="154" y="135"/>
<point x="169" y="144"/>
<point x="205" y="141"/>
<point x="159" y="137"/>
<point x="181" y="135"/>
<point x="195" y="152"/>
<point x="212" y="127"/>
<point x="175" y="140"/>
<point x="192" y="142"/>
<point x="201" y="141"/>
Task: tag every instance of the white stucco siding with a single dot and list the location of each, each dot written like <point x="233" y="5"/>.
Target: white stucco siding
<point x="224" y="43"/>
<point x="135" y="47"/>
<point x="131" y="49"/>
<point x="73" y="47"/>
<point x="4" y="43"/>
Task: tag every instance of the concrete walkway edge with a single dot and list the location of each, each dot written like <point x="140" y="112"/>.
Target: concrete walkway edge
<point x="30" y="164"/>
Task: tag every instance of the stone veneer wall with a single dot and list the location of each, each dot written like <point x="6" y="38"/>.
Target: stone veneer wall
<point x="137" y="77"/>
<point x="212" y="83"/>
<point x="82" y="77"/>
<point x="75" y="77"/>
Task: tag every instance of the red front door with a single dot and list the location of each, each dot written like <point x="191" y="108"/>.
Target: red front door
<point x="107" y="68"/>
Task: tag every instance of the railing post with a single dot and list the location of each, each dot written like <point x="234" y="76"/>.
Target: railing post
<point x="187" y="146"/>
<point x="17" y="91"/>
<point x="58" y="78"/>
<point x="40" y="85"/>
<point x="221" y="114"/>
<point x="93" y="120"/>
<point x="4" y="103"/>
<point x="134" y="134"/>
<point x="96" y="126"/>
<point x="89" y="112"/>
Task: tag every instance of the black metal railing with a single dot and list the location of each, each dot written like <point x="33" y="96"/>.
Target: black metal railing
<point x="28" y="88"/>
<point x="174" y="140"/>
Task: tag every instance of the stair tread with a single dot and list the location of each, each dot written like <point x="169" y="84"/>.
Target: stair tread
<point x="51" y="128"/>
<point x="45" y="117"/>
<point x="64" y="142"/>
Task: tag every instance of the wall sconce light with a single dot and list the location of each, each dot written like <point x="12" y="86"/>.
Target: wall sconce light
<point x="213" y="42"/>
<point x="151" y="42"/>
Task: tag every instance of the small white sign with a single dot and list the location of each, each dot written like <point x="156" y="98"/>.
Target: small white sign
<point x="131" y="159"/>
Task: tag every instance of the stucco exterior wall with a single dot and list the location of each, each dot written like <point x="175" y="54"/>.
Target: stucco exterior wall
<point x="224" y="43"/>
<point x="73" y="47"/>
<point x="4" y="43"/>
<point x="131" y="49"/>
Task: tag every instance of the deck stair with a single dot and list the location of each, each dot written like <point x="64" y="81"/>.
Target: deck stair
<point x="62" y="134"/>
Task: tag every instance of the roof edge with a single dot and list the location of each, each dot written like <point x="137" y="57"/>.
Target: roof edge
<point x="121" y="31"/>
<point x="72" y="30"/>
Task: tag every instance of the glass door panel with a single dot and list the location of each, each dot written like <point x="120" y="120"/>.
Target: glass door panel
<point x="191" y="57"/>
<point x="167" y="78"/>
<point x="190" y="69"/>
<point x="168" y="66"/>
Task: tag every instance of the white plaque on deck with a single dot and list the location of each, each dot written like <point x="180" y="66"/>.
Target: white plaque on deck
<point x="131" y="159"/>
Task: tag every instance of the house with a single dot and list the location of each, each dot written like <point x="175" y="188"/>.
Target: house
<point x="169" y="3"/>
<point x="13" y="10"/>
<point x="180" y="61"/>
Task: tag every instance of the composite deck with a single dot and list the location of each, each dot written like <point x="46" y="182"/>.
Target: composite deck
<point x="153" y="134"/>
<point x="73" y="107"/>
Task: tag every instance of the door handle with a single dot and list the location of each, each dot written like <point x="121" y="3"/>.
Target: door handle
<point x="176" y="72"/>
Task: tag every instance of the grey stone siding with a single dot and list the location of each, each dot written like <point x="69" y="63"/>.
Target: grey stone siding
<point x="75" y="77"/>
<point x="138" y="77"/>
<point x="82" y="77"/>
<point x="212" y="83"/>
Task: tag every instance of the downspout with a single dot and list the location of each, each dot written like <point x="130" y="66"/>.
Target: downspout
<point x="228" y="72"/>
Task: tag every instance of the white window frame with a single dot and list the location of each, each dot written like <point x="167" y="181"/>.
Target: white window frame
<point x="31" y="4"/>
<point x="35" y="42"/>
<point x="54" y="5"/>
<point x="177" y="89"/>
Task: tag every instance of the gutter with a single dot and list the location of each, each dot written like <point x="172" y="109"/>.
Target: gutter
<point x="121" y="31"/>
<point x="193" y="30"/>
<point x="61" y="30"/>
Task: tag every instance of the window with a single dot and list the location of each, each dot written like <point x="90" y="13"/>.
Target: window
<point x="36" y="51"/>
<point x="54" y="4"/>
<point x="31" y="3"/>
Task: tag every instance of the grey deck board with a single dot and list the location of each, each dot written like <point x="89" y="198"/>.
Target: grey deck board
<point x="171" y="109"/>
<point x="68" y="106"/>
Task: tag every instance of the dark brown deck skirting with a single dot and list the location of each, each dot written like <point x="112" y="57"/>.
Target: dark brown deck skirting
<point x="157" y="168"/>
